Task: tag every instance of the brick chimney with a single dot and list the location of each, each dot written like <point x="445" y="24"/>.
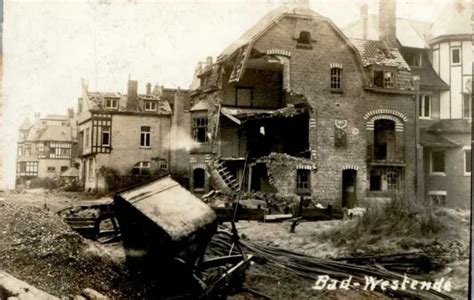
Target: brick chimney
<point x="209" y="61"/>
<point x="148" y="88"/>
<point x="387" y="22"/>
<point x="132" y="94"/>
<point x="364" y="15"/>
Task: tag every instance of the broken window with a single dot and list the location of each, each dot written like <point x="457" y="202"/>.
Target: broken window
<point x="106" y="136"/>
<point x="455" y="56"/>
<point x="303" y="179"/>
<point x="388" y="81"/>
<point x="51" y="169"/>
<point x="336" y="78"/>
<point x="111" y="103"/>
<point x="383" y="79"/>
<point x="150" y="105"/>
<point x="467" y="106"/>
<point x="199" y="176"/>
<point x="64" y="168"/>
<point x="145" y="136"/>
<point x="304" y="38"/>
<point x="141" y="168"/>
<point x="200" y="129"/>
<point x="375" y="180"/>
<point x="384" y="139"/>
<point x="437" y="162"/>
<point x="425" y="106"/>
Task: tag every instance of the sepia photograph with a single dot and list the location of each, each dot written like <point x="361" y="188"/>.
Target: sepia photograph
<point x="236" y="149"/>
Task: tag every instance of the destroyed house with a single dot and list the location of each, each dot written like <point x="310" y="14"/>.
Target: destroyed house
<point x="47" y="148"/>
<point x="122" y="134"/>
<point x="309" y="111"/>
<point x="440" y="54"/>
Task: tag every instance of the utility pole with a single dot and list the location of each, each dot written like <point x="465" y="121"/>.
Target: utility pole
<point x="419" y="182"/>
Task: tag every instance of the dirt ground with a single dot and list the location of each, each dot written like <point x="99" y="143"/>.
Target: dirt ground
<point x="37" y="247"/>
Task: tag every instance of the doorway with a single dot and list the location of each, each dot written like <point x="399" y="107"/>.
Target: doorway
<point x="349" y="188"/>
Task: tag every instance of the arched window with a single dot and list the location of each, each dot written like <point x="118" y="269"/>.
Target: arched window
<point x="304" y="38"/>
<point x="199" y="178"/>
<point x="384" y="139"/>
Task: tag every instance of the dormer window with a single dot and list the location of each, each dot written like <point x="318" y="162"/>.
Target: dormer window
<point x="384" y="79"/>
<point x="150" y="105"/>
<point x="111" y="103"/>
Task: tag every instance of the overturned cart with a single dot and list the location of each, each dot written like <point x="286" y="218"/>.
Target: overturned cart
<point x="166" y="232"/>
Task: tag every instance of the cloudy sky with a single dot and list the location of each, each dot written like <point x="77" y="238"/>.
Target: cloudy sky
<point x="49" y="45"/>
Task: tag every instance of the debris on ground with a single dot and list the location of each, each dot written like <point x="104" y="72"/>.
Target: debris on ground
<point x="38" y="247"/>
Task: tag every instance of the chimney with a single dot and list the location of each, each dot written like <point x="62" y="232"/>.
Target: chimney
<point x="148" y="88"/>
<point x="209" y="61"/>
<point x="132" y="94"/>
<point x="364" y="14"/>
<point x="302" y="4"/>
<point x="70" y="113"/>
<point x="387" y="22"/>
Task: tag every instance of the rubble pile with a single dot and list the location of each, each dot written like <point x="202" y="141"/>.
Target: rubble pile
<point x="39" y="248"/>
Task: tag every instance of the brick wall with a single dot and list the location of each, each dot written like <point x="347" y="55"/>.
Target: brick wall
<point x="309" y="75"/>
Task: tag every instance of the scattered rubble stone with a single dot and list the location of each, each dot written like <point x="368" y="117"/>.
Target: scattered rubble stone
<point x="39" y="248"/>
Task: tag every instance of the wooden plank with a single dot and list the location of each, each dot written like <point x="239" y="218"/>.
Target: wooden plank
<point x="281" y="217"/>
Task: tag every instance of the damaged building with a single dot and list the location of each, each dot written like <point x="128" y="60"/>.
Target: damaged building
<point x="440" y="54"/>
<point x="294" y="107"/>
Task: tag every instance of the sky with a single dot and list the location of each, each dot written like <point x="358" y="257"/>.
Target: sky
<point x="50" y="45"/>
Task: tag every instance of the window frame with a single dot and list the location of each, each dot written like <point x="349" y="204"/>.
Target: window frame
<point x="336" y="79"/>
<point x="437" y="193"/>
<point x="384" y="82"/>
<point x="145" y="137"/>
<point x="452" y="56"/>
<point x="421" y="113"/>
<point x="153" y="105"/>
<point x="437" y="173"/>
<point x="51" y="169"/>
<point x="195" y="126"/>
<point x="112" y="101"/>
<point x="105" y="129"/>
<point x="303" y="185"/>
<point x="465" y="150"/>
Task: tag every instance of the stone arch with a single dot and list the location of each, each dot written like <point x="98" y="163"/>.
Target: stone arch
<point x="350" y="167"/>
<point x="386" y="114"/>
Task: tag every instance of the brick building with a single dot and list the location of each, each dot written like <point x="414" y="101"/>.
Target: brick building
<point x="440" y="53"/>
<point x="46" y="148"/>
<point x="129" y="133"/>
<point x="308" y="110"/>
